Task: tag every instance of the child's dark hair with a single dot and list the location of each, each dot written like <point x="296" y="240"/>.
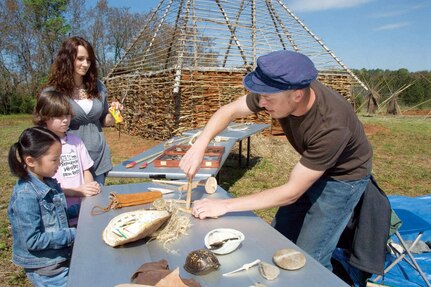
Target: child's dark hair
<point x="33" y="142"/>
<point x="50" y="104"/>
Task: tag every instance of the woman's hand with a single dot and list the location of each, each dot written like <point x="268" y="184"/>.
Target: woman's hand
<point x="117" y="105"/>
<point x="114" y="115"/>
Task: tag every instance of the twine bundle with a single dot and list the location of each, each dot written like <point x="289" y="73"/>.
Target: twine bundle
<point x="177" y="224"/>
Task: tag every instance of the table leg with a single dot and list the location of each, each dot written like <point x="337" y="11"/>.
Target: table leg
<point x="248" y="151"/>
<point x="240" y="153"/>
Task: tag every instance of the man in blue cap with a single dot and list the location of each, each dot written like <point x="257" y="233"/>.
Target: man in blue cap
<point x="325" y="185"/>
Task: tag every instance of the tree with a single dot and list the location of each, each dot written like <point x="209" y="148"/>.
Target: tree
<point x="46" y="20"/>
<point x="33" y="30"/>
<point x="111" y="31"/>
<point x="98" y="35"/>
<point x="76" y="17"/>
<point x="122" y="27"/>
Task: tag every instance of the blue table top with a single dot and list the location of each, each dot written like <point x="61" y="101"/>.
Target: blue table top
<point x="233" y="133"/>
<point x="151" y="171"/>
<point x="94" y="263"/>
<point x="236" y="131"/>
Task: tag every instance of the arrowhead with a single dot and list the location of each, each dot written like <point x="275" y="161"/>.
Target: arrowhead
<point x="132" y="164"/>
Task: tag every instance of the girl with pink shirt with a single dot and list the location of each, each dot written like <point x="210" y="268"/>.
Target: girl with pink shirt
<point x="74" y="176"/>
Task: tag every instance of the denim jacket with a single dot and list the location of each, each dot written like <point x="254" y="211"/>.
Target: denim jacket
<point x="37" y="213"/>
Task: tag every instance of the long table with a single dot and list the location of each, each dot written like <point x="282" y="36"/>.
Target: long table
<point x="238" y="132"/>
<point x="94" y="263"/>
<point x="151" y="171"/>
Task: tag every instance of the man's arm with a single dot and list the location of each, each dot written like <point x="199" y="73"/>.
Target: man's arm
<point x="301" y="178"/>
<point x="191" y="161"/>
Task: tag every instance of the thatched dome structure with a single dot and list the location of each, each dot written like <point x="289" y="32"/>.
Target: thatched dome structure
<point x="190" y="57"/>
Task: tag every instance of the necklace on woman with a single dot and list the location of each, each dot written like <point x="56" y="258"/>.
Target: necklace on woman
<point x="80" y="93"/>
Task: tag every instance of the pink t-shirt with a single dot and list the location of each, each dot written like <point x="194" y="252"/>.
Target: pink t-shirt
<point x="74" y="161"/>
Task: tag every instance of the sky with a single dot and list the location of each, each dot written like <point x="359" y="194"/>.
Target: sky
<point x="370" y="34"/>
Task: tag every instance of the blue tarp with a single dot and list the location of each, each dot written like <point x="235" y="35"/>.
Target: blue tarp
<point x="403" y="274"/>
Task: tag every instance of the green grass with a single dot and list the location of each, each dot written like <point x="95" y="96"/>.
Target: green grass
<point x="10" y="129"/>
<point x="402" y="166"/>
<point x="402" y="154"/>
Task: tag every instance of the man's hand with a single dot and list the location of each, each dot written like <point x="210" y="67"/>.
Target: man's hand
<point x="191" y="161"/>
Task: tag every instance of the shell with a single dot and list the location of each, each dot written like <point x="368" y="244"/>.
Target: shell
<point x="268" y="271"/>
<point x="211" y="185"/>
<point x="289" y="259"/>
<point x="134" y="225"/>
<point x="201" y="261"/>
<point x="220" y="234"/>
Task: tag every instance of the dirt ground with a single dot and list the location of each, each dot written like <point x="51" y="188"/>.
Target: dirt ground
<point x="124" y="146"/>
<point x="416" y="113"/>
<point x="373" y="129"/>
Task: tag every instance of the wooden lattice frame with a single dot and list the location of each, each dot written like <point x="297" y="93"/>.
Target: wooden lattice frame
<point x="190" y="57"/>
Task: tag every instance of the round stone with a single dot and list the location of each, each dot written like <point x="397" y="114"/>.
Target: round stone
<point x="289" y="259"/>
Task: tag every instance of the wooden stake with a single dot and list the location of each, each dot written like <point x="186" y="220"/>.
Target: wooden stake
<point x="180" y="140"/>
<point x="185" y="210"/>
<point x="172" y="182"/>
<point x="189" y="193"/>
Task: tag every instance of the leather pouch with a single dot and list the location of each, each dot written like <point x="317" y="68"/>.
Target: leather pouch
<point x="124" y="200"/>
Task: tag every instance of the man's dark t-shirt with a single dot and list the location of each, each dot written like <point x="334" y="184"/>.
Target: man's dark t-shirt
<point x="329" y="136"/>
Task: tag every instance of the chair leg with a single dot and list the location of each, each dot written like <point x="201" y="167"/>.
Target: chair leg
<point x="402" y="256"/>
<point x="413" y="260"/>
<point x="395" y="262"/>
<point x="399" y="256"/>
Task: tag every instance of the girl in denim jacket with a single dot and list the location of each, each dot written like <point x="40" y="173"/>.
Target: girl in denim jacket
<point x="42" y="239"/>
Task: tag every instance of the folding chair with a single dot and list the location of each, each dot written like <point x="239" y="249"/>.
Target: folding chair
<point x="411" y="224"/>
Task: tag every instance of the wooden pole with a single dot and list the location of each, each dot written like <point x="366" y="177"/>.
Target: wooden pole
<point x="189" y="193"/>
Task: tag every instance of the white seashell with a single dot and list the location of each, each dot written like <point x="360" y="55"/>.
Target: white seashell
<point x="211" y="185"/>
<point x="289" y="259"/>
<point x="268" y="271"/>
<point x="232" y="238"/>
<point x="133" y="225"/>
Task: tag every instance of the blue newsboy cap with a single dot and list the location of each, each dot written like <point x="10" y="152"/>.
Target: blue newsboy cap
<point x="280" y="71"/>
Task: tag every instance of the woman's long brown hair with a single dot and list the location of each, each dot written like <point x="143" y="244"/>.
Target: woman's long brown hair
<point x="62" y="71"/>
